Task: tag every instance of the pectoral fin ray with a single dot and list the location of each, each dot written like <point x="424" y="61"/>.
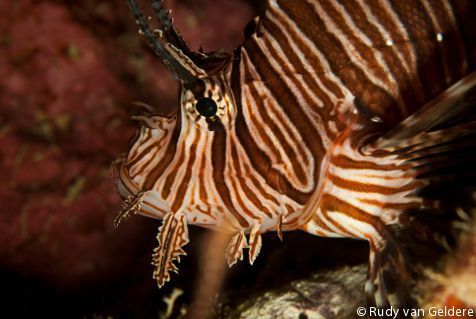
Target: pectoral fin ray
<point x="173" y="235"/>
<point x="130" y="206"/>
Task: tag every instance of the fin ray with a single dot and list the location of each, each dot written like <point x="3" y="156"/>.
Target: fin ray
<point x="255" y="243"/>
<point x="459" y="99"/>
<point x="173" y="235"/>
<point x="234" y="251"/>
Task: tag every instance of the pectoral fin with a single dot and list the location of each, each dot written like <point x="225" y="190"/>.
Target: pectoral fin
<point x="234" y="251"/>
<point x="131" y="205"/>
<point x="173" y="235"/>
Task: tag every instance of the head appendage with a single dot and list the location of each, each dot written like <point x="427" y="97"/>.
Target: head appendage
<point x="178" y="67"/>
<point x="171" y="33"/>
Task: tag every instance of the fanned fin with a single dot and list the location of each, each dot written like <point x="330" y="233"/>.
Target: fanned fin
<point x="234" y="251"/>
<point x="439" y="141"/>
<point x="173" y="235"/>
<point x="388" y="276"/>
<point x="130" y="206"/>
<point x="455" y="103"/>
<point x="255" y="243"/>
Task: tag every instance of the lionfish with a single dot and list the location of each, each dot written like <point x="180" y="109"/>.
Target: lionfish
<point x="339" y="118"/>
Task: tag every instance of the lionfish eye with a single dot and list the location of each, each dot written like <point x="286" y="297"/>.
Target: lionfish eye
<point x="207" y="107"/>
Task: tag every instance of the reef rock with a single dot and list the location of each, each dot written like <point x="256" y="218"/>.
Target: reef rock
<point x="328" y="294"/>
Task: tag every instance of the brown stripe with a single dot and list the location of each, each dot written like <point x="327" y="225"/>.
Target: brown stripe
<point x="371" y="95"/>
<point x="286" y="45"/>
<point x="218" y="162"/>
<point x="281" y="139"/>
<point x="334" y="204"/>
<point x="287" y="101"/>
<point x="260" y="161"/>
<point x="169" y="154"/>
<point x="317" y="220"/>
<point x="370" y="188"/>
<point x="136" y="155"/>
<point x="347" y="162"/>
<point x="144" y="164"/>
<point x="422" y="37"/>
<point x="261" y="133"/>
<point x="407" y="85"/>
<point x="185" y="182"/>
<point x="453" y="46"/>
<point x="201" y="180"/>
<point x="340" y="228"/>
<point x="395" y="206"/>
<point x="258" y="185"/>
<point x="171" y="176"/>
<point x="249" y="193"/>
<point x="241" y="204"/>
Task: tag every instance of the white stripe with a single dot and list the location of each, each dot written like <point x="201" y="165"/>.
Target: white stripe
<point x="392" y="178"/>
<point x="386" y="35"/>
<point x="438" y="29"/>
<point x="336" y="232"/>
<point x="454" y="27"/>
<point x="304" y="61"/>
<point x="317" y="122"/>
<point x="356" y="56"/>
<point x="328" y="73"/>
<point x="357" y="227"/>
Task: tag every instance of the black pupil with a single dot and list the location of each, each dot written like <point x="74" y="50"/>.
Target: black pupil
<point x="206" y="107"/>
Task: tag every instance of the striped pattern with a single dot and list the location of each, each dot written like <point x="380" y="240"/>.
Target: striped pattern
<point x="185" y="167"/>
<point x="283" y="151"/>
<point x="389" y="57"/>
<point x="361" y="193"/>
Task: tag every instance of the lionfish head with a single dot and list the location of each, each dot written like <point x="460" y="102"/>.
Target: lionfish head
<point x="156" y="174"/>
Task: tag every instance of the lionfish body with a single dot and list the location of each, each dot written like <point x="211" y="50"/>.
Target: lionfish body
<point x="329" y="119"/>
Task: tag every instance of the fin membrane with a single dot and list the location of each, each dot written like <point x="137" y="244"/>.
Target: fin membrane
<point x="388" y="276"/>
<point x="234" y="251"/>
<point x="173" y="235"/>
<point x="440" y="142"/>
